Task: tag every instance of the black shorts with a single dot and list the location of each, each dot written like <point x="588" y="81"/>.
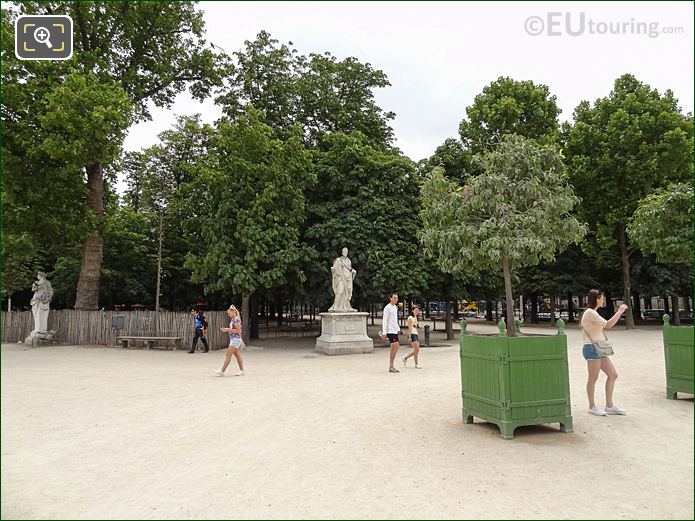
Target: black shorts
<point x="393" y="337"/>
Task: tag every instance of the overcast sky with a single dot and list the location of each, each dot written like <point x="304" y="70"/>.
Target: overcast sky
<point x="439" y="56"/>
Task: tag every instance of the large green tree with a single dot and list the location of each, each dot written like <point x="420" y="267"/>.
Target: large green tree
<point x="248" y="205"/>
<point x="140" y="52"/>
<point x="366" y="199"/>
<point x="507" y="106"/>
<point x="619" y="150"/>
<point x="663" y="224"/>
<point x="515" y="214"/>
<point x="318" y="92"/>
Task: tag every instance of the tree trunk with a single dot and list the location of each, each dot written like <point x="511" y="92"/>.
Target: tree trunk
<point x="570" y="308"/>
<point x="90" y="270"/>
<point x="447" y="320"/>
<point x="245" y="316"/>
<point x="488" y="311"/>
<point x="552" y="310"/>
<point x="253" y="304"/>
<point x="676" y="310"/>
<point x="159" y="274"/>
<point x="9" y="315"/>
<point x="610" y="308"/>
<point x="627" y="290"/>
<point x="278" y="310"/>
<point x="534" y="309"/>
<point x="667" y="308"/>
<point x="638" y="308"/>
<point x="508" y="295"/>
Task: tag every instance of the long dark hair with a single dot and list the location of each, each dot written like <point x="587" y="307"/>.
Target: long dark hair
<point x="592" y="298"/>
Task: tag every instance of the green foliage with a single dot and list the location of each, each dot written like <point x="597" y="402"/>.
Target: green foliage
<point x="366" y="200"/>
<point x="620" y="150"/>
<point x="159" y="180"/>
<point x="19" y="262"/>
<point x="571" y="272"/>
<point x="318" y="92"/>
<point x="152" y="50"/>
<point x="452" y="156"/>
<point x="129" y="268"/>
<point x="518" y="209"/>
<point x="515" y="214"/>
<point x="250" y="204"/>
<point x="84" y="120"/>
<point x="663" y="224"/>
<point x="74" y="112"/>
<point x="507" y="106"/>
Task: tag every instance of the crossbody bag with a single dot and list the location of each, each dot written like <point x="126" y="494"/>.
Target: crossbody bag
<point x="603" y="347"/>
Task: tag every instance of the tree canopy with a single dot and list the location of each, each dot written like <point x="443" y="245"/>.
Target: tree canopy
<point x="515" y="214"/>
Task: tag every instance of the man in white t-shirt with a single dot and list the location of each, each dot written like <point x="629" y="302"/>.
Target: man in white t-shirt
<point x="391" y="329"/>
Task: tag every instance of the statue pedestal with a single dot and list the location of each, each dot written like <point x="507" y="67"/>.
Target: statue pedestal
<point x="344" y="333"/>
<point x="41" y="338"/>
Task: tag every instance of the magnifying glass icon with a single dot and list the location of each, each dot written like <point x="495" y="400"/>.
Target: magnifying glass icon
<point x="43" y="35"/>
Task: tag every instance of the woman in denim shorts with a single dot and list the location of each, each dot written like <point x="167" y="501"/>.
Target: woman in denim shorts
<point x="235" y="342"/>
<point x="413" y="338"/>
<point x="593" y="326"/>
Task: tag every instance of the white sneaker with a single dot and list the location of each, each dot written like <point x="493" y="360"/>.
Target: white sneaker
<point x="418" y="366"/>
<point x="219" y="372"/>
<point x="615" y="410"/>
<point x="240" y="373"/>
<point x="597" y="412"/>
<point x="405" y="361"/>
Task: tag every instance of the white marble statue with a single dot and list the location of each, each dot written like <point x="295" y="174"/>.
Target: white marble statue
<point x="40" y="303"/>
<point x="343" y="275"/>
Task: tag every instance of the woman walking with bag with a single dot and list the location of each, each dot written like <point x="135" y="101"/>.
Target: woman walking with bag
<point x="235" y="342"/>
<point x="596" y="345"/>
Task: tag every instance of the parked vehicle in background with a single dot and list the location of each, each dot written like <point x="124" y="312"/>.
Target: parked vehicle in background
<point x="437" y="307"/>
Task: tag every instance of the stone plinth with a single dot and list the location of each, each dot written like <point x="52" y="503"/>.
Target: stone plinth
<point x="344" y="333"/>
<point x="41" y="338"/>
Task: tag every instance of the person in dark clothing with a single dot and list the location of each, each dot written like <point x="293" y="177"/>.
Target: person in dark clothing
<point x="201" y="329"/>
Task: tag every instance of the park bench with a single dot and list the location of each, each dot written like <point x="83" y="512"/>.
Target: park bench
<point x="150" y="340"/>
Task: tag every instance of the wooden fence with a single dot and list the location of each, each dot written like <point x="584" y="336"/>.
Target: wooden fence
<point x="96" y="327"/>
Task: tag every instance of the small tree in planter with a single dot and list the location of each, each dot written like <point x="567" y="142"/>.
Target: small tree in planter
<point x="515" y="214"/>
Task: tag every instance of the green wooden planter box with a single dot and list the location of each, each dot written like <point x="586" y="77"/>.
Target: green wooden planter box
<point x="515" y="381"/>
<point x="678" y="353"/>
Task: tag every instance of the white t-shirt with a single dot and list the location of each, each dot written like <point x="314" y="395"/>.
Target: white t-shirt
<point x="390" y="319"/>
<point x="593" y="323"/>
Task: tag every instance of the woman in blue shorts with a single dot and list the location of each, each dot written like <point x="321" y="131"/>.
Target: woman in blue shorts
<point x="593" y="326"/>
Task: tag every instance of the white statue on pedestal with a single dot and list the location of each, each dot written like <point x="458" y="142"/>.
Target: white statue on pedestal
<point x="40" y="303"/>
<point x="343" y="275"/>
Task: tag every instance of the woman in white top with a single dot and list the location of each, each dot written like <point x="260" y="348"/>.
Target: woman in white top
<point x="593" y="326"/>
<point x="413" y="337"/>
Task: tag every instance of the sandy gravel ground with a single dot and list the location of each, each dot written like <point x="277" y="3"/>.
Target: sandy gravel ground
<point x="111" y="433"/>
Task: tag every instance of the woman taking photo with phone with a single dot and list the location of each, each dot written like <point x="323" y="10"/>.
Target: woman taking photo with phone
<point x="593" y="329"/>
